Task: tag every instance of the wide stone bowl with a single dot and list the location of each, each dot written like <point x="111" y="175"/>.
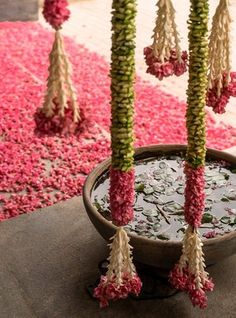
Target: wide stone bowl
<point x="158" y="253"/>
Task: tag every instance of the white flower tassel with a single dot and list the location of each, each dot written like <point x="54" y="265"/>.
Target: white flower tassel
<point x="219" y="48"/>
<point x="166" y="37"/>
<point x="189" y="274"/>
<point x="60" y="91"/>
<point x="121" y="278"/>
<point x="120" y="259"/>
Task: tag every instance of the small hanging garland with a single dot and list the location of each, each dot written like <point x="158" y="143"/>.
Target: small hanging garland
<point x="164" y="57"/>
<point x="60" y="111"/>
<point x="56" y="12"/>
<point x="222" y="82"/>
<point x="189" y="273"/>
<point x="121" y="278"/>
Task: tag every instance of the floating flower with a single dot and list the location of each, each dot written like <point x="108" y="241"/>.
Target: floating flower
<point x="121" y="196"/>
<point x="56" y="12"/>
<point x="121" y="278"/>
<point x="210" y="234"/>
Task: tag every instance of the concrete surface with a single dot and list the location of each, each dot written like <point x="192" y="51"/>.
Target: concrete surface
<point x="19" y="10"/>
<point x="48" y="257"/>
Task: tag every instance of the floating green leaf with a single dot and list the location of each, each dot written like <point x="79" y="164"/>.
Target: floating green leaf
<point x="151" y="212"/>
<point x="207" y="218"/>
<point x="162" y="165"/>
<point x="182" y="229"/>
<point x="160" y="189"/>
<point x="225" y="220"/>
<point x="139" y="187"/>
<point x="174" y="208"/>
<point x="148" y="190"/>
<point x="170" y="191"/>
<point x="180" y="190"/>
<point x="138" y="208"/>
<point x="149" y="198"/>
<point x="232" y="221"/>
<point x="226" y="175"/>
<point x="231" y="195"/>
<point x="163" y="237"/>
<point x="225" y="199"/>
<point x="152" y="219"/>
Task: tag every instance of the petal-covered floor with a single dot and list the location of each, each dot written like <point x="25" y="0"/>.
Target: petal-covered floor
<point x="38" y="170"/>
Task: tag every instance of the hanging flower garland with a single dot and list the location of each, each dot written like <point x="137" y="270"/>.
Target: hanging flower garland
<point x="121" y="278"/>
<point x="222" y="82"/>
<point x="164" y="57"/>
<point x="60" y="111"/>
<point x="189" y="273"/>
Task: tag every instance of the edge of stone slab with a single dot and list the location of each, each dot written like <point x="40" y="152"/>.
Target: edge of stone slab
<point x="60" y="206"/>
<point x="231" y="150"/>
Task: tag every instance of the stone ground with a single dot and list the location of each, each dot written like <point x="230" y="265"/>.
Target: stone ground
<point x="48" y="258"/>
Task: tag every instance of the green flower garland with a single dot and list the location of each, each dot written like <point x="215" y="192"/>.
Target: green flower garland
<point x="121" y="278"/>
<point x="122" y="83"/>
<point x="197" y="83"/>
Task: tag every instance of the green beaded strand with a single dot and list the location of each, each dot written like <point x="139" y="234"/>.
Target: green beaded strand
<point x="197" y="83"/>
<point x="122" y="83"/>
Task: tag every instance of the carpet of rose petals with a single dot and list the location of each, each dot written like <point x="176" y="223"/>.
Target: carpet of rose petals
<point x="38" y="170"/>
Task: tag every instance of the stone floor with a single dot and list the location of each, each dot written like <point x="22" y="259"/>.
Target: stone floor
<point x="47" y="258"/>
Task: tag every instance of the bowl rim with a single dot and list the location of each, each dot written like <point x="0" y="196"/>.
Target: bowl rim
<point x="144" y="151"/>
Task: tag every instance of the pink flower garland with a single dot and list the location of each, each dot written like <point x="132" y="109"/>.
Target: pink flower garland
<point x="56" y="12"/>
<point x="169" y="67"/>
<point x="218" y="103"/>
<point x="109" y="290"/>
<point x="121" y="196"/>
<point x="194" y="195"/>
<point x="185" y="281"/>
